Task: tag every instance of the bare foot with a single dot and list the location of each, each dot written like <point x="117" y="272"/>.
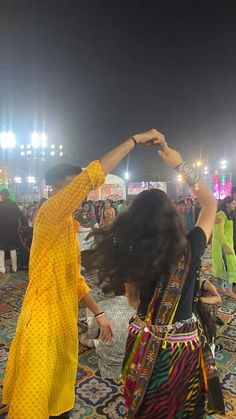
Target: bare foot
<point x="230" y="293"/>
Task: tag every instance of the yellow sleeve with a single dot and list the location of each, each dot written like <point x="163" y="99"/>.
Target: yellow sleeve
<point x="65" y="202"/>
<point x="82" y="288"/>
<point x="219" y="227"/>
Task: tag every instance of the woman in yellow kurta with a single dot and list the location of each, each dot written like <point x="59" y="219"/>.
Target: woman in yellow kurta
<point x="41" y="369"/>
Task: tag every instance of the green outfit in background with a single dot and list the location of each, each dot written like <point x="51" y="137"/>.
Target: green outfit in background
<point x="223" y="235"/>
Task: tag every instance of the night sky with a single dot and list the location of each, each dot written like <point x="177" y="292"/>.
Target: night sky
<point x="95" y="72"/>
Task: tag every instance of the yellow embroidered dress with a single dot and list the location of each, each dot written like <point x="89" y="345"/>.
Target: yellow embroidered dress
<point x="41" y="369"/>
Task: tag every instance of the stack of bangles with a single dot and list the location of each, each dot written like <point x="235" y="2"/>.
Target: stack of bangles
<point x="189" y="173"/>
<point x="99" y="315"/>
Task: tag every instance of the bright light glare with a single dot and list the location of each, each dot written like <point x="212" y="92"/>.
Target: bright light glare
<point x="22" y="146"/>
<point x="31" y="179"/>
<point x="223" y="164"/>
<point x="17" y="179"/>
<point x="7" y="139"/>
<point x="52" y="146"/>
<point x="127" y="175"/>
<point x="39" y="139"/>
<point x="22" y="153"/>
<point x="28" y="152"/>
<point x="35" y="140"/>
<point x="179" y="178"/>
<point x="61" y="153"/>
<point x="43" y="136"/>
<point x="199" y="163"/>
<point x="205" y="170"/>
<point x="28" y="146"/>
<point x="60" y="146"/>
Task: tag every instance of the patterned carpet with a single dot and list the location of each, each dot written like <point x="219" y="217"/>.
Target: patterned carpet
<point x="98" y="398"/>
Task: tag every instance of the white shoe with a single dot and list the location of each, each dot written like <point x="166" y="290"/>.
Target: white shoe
<point x="86" y="341"/>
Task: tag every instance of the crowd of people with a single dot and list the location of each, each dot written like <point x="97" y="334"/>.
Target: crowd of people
<point x="150" y="254"/>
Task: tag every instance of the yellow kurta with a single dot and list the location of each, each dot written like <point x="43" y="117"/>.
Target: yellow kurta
<point x="41" y="369"/>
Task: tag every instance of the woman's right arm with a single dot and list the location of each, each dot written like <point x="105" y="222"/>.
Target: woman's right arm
<point x="208" y="213"/>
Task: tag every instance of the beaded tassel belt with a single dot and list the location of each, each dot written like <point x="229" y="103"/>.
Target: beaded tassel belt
<point x="189" y="339"/>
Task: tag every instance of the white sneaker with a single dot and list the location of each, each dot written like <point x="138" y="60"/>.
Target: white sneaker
<point x="86" y="341"/>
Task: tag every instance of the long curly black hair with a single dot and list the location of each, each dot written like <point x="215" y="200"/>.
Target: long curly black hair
<point x="144" y="243"/>
<point x="223" y="206"/>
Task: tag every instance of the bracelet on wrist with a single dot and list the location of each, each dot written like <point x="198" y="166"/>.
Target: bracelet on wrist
<point x="99" y="315"/>
<point x="135" y="142"/>
<point x="189" y="173"/>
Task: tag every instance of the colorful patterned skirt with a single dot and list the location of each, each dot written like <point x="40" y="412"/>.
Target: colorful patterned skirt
<point x="176" y="387"/>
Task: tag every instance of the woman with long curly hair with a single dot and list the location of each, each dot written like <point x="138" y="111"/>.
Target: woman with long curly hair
<point x="168" y="368"/>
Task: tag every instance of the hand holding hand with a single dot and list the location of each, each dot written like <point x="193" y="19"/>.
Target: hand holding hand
<point x="170" y="156"/>
<point x="106" y="332"/>
<point x="151" y="137"/>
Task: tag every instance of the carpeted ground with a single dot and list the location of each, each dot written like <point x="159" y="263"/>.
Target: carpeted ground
<point x="97" y="398"/>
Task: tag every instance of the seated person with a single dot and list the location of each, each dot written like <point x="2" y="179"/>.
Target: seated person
<point x="111" y="354"/>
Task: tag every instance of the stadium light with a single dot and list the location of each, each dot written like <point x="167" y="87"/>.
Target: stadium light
<point x="223" y="164"/>
<point x="35" y="140"/>
<point x="127" y="175"/>
<point x="39" y="139"/>
<point x="7" y="140"/>
<point x="17" y="179"/>
<point x="31" y="179"/>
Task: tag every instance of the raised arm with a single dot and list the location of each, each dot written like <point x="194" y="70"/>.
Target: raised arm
<point x="208" y="213"/>
<point x="67" y="200"/>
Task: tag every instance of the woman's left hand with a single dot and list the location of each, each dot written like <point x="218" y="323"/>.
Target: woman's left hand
<point x="106" y="331"/>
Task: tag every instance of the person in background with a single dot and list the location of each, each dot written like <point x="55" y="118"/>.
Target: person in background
<point x="41" y="202"/>
<point x="32" y="209"/>
<point x="233" y="215"/>
<point x="41" y="369"/>
<point x="111" y="354"/>
<point x="121" y="206"/>
<point x="189" y="214"/>
<point x="98" y="210"/>
<point x="181" y="208"/>
<point x="168" y="360"/>
<point x="86" y="216"/>
<point x="223" y="254"/>
<point x="87" y="220"/>
<point x="11" y="220"/>
<point x="108" y="214"/>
